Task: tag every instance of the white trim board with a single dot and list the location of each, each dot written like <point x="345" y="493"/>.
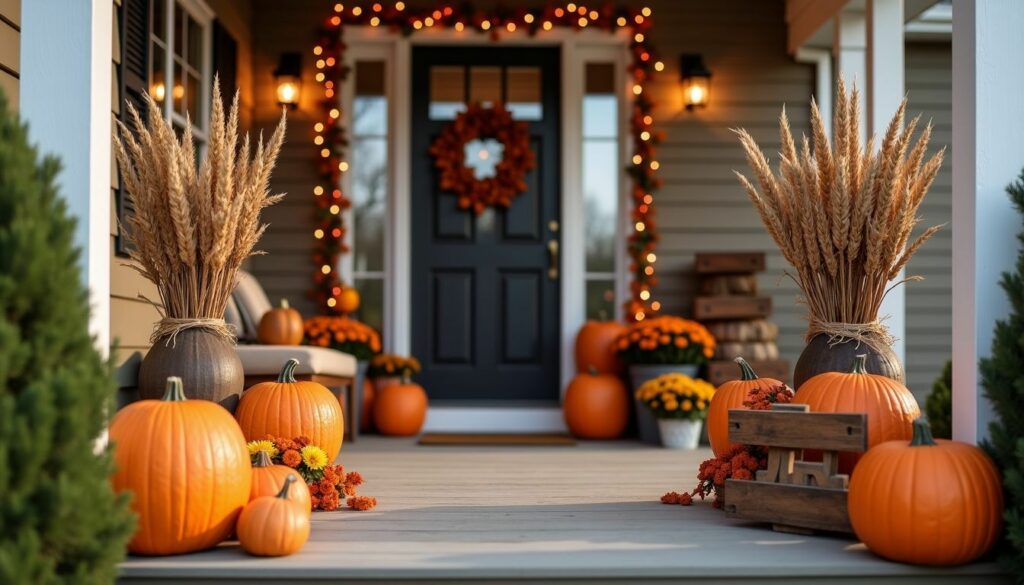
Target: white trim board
<point x="577" y="48"/>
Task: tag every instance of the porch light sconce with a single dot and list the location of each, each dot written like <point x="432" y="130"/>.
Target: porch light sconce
<point x="289" y="79"/>
<point x="696" y="81"/>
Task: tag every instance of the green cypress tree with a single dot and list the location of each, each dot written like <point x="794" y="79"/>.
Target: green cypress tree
<point x="939" y="405"/>
<point x="1003" y="378"/>
<point x="60" y="521"/>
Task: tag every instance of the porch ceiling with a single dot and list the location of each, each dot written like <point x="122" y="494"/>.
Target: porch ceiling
<point x="583" y="514"/>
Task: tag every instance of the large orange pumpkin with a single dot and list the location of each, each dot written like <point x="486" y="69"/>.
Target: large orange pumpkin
<point x="730" y="395"/>
<point x="400" y="409"/>
<point x="929" y="502"/>
<point x="287" y="408"/>
<point x="595" y="347"/>
<point x="888" y="404"/>
<point x="274" y="526"/>
<point x="596" y="406"/>
<point x="186" y="464"/>
<point x="281" y="326"/>
<point x="268" y="479"/>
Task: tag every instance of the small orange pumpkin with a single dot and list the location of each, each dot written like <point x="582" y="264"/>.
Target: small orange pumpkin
<point x="186" y="463"/>
<point x="281" y="326"/>
<point x="268" y="479"/>
<point x="888" y="404"/>
<point x="288" y="408"/>
<point x="596" y="406"/>
<point x="929" y="502"/>
<point x="595" y="347"/>
<point x="348" y="300"/>
<point x="400" y="409"/>
<point x="273" y="526"/>
<point x="730" y="395"/>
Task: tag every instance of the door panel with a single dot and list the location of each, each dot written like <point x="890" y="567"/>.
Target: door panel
<point x="485" y="312"/>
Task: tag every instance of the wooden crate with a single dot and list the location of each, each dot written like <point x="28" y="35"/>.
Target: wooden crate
<point x="729" y="308"/>
<point x="720" y="371"/>
<point x="791" y="494"/>
<point x="729" y="262"/>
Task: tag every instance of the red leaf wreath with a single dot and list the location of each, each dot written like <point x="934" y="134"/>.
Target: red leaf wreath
<point x="449" y="150"/>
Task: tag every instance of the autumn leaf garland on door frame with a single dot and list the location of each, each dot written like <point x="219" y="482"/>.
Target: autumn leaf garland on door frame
<point x="456" y="177"/>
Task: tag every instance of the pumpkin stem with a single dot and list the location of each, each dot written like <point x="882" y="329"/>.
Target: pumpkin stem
<point x="746" y="372"/>
<point x="175" y="390"/>
<point x="860" y="364"/>
<point x="263" y="459"/>
<point x="284" y="304"/>
<point x="922" y="434"/>
<point x="288" y="481"/>
<point x="287" y="375"/>
<point x="592" y="370"/>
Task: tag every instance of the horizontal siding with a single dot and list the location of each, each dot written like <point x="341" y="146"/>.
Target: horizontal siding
<point x="929" y="338"/>
<point x="10" y="51"/>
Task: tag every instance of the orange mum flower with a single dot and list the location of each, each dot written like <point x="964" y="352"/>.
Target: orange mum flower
<point x="291" y="458"/>
<point x="362" y="503"/>
<point x="355" y="478"/>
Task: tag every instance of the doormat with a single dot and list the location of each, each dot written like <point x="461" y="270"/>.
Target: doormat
<point x="498" y="439"/>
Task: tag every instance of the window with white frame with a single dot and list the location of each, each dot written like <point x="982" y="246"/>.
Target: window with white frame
<point x="180" y="40"/>
<point x="369" y="189"/>
<point x="600" y="172"/>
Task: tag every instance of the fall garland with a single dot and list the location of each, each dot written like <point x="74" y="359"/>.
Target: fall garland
<point x="509" y="180"/>
<point x="330" y="138"/>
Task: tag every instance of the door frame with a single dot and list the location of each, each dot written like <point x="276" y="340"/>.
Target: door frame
<point x="577" y="48"/>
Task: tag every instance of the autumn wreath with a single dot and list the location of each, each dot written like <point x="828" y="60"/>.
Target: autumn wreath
<point x="509" y="180"/>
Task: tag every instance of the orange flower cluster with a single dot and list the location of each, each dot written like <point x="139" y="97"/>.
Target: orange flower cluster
<point x="675" y="498"/>
<point x="343" y="334"/>
<point x="384" y="365"/>
<point x="763" y="398"/>
<point x="666" y="340"/>
<point x="328" y="485"/>
<point x="740" y="462"/>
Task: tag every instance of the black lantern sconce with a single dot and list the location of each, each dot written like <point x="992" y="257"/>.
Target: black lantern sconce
<point x="696" y="81"/>
<point x="289" y="79"/>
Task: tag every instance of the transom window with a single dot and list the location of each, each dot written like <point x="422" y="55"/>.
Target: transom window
<point x="180" y="60"/>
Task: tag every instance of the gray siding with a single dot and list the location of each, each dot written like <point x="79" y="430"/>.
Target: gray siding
<point x="929" y="71"/>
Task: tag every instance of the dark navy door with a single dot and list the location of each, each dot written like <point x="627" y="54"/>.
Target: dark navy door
<point x="485" y="288"/>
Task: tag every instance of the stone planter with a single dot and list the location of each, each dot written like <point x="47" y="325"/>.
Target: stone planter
<point x="680" y="433"/>
<point x="646" y="423"/>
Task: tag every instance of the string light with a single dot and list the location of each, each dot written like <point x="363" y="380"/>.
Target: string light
<point x="582" y="21"/>
<point x="417" y="24"/>
<point x="645" y="294"/>
<point x="547" y="25"/>
<point x="648" y="120"/>
<point x="318" y="234"/>
<point x="399" y="6"/>
<point x="374" y="21"/>
<point x="571" y="7"/>
<point x="486" y="25"/>
<point x="656" y="306"/>
<point x="646" y="11"/>
<point x="645" y="136"/>
<point x="325" y="269"/>
<point x="559" y="12"/>
<point x="343" y="166"/>
<point x="318" y="190"/>
<point x="356" y="11"/>
<point x="655" y="165"/>
<point x="621" y="21"/>
<point x="638" y="37"/>
<point x="331" y="302"/>
<point x="339" y="7"/>
<point x="637" y="159"/>
<point x="510" y="27"/>
<point x="594" y="15"/>
<point x="651" y="257"/>
<point x="638" y="89"/>
<point x="429" y="21"/>
<point x="528" y="18"/>
<point x="459" y="26"/>
<point x="659" y="66"/>
<point x="335" y="113"/>
<point x="335" y="209"/>
<point x="318" y="50"/>
<point x="325" y="152"/>
<point x="320" y="77"/>
<point x="638" y="19"/>
<point x="640" y="226"/>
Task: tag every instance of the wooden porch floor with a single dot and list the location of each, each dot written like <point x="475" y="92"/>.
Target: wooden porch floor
<point x="569" y="514"/>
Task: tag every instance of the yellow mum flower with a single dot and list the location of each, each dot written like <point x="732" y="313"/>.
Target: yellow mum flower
<point x="314" y="457"/>
<point x="671" y="405"/>
<point x="262" y="446"/>
<point x="687" y="405"/>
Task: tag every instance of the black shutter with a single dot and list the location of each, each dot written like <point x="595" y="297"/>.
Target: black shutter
<point x="225" y="61"/>
<point x="134" y="82"/>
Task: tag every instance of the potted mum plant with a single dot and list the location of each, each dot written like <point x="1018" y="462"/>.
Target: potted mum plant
<point x="843" y="216"/>
<point x="353" y="337"/>
<point x="658" y="346"/>
<point x="680" y="405"/>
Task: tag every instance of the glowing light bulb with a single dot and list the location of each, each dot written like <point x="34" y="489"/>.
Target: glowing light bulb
<point x="486" y="25"/>
<point x="571" y="7"/>
<point x="374" y="21"/>
<point x="649" y="270"/>
<point x="331" y="302"/>
<point x="528" y="18"/>
<point x="621" y="21"/>
<point x="377" y="7"/>
<point x="645" y="135"/>
<point x="652" y="258"/>
<point x="318" y="190"/>
<point x="593" y="15"/>
<point x="638" y="19"/>
<point x="399" y="6"/>
<point x="648" y="199"/>
<point x="646" y="11"/>
<point x="637" y="159"/>
<point x="325" y="269"/>
<point x="648" y="119"/>
<point x="638" y="89"/>
<point x="417" y="24"/>
<point x="343" y="166"/>
<point x="638" y="37"/>
<point x="318" y="127"/>
<point x="429" y="21"/>
<point x="644" y="295"/>
<point x="320" y="77"/>
<point x="659" y="66"/>
<point x="339" y="7"/>
<point x="335" y="113"/>
<point x="582" y="22"/>
<point x="655" y="165"/>
<point x="318" y="50"/>
<point x="356" y="11"/>
<point x="459" y="26"/>
<point x="640" y="226"/>
<point x="325" y="152"/>
<point x="547" y="25"/>
<point x="335" y="209"/>
<point x="510" y="27"/>
<point x="655" y="306"/>
<point x="318" y="234"/>
<point x="639" y="316"/>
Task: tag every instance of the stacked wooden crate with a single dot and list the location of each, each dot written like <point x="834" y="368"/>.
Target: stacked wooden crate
<point x="729" y="305"/>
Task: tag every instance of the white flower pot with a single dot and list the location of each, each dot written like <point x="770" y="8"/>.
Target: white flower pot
<point x="647" y="427"/>
<point x="680" y="433"/>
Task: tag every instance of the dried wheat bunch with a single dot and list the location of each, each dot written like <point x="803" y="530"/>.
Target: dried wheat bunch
<point x="842" y="214"/>
<point x="192" y="228"/>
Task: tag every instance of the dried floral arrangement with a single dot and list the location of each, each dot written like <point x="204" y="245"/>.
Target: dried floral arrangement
<point x="329" y="485"/>
<point x="739" y="462"/>
<point x="192" y="228"/>
<point x="843" y="214"/>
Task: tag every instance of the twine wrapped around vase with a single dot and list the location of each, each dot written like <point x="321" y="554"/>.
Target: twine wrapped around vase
<point x="874" y="334"/>
<point x="168" y="329"/>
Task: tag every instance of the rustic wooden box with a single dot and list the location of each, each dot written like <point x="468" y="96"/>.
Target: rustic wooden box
<point x="726" y="308"/>
<point x="729" y="262"/>
<point x="792" y="494"/>
<point x="720" y="371"/>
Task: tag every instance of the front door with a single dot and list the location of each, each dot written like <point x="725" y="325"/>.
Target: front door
<point x="485" y="292"/>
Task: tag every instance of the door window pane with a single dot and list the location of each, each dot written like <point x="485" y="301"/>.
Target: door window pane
<point x="485" y="85"/>
<point x="371" y="301"/>
<point x="601" y="299"/>
<point x="523" y="92"/>
<point x="369" y="198"/>
<point x="447" y="92"/>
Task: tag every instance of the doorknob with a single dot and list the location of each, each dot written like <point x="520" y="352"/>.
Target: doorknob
<point x="553" y="259"/>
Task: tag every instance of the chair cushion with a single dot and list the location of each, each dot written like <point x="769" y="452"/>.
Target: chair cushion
<point x="266" y="360"/>
<point x="234" y="319"/>
<point x="252" y="303"/>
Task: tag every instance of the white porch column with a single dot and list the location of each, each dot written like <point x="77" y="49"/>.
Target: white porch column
<point x="66" y="56"/>
<point x="850" y="52"/>
<point x="885" y="89"/>
<point x="988" y="103"/>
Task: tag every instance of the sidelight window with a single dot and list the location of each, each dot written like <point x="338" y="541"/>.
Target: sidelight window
<point x="601" y="166"/>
